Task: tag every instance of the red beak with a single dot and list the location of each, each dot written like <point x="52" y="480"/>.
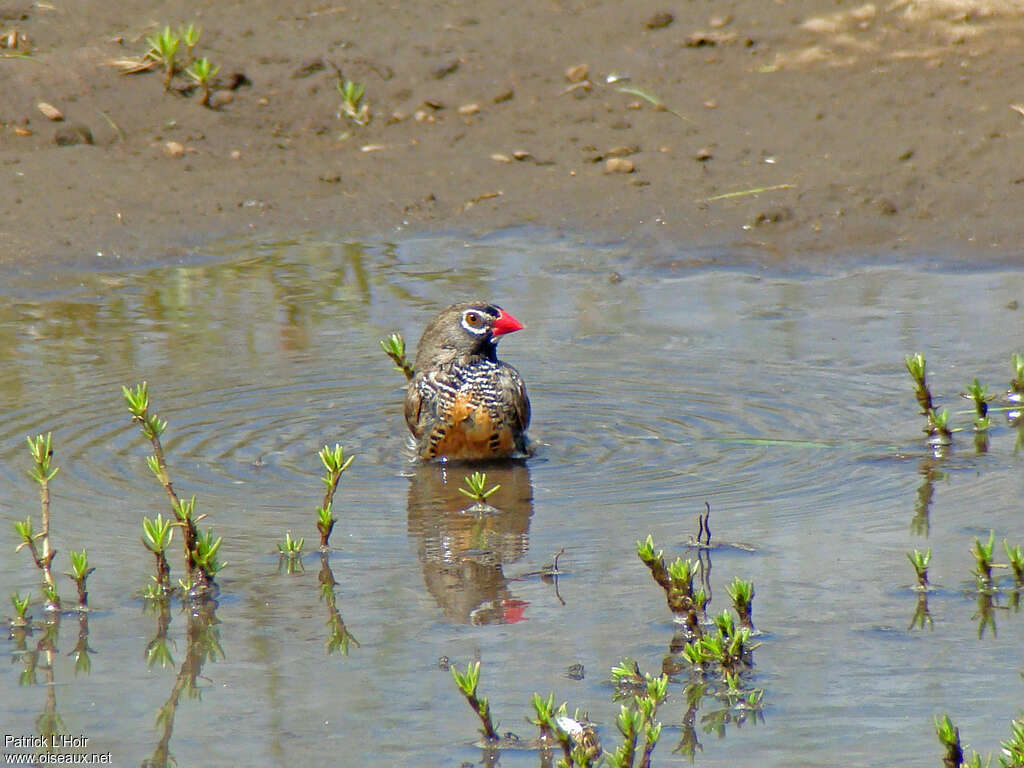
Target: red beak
<point x="505" y="324"/>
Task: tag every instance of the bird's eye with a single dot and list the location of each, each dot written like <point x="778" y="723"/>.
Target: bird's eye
<point x="472" y="318"/>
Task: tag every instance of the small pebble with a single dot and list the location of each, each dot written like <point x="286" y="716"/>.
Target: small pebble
<point x="704" y="154"/>
<point x="174" y="149"/>
<point x="660" y="20"/>
<point x="220" y="99"/>
<point x="500" y="158"/>
<point x="521" y="154"/>
<point x="505" y="96"/>
<point x="236" y="154"/>
<point x="577" y="73"/>
<point x="619" y="165"/>
<point x="50" y="111"/>
<point x="469" y="109"/>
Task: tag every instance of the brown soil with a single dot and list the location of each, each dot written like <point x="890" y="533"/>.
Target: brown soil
<point x="868" y="128"/>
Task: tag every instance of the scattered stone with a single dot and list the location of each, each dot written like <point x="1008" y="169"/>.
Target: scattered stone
<point x="710" y="104"/>
<point x="22" y="131"/>
<point x="500" y="158"/>
<point x="443" y="70"/>
<point x="236" y="154"/>
<point x="174" y="149"/>
<point x="622" y="151"/>
<point x="887" y="207"/>
<point x="704" y="154"/>
<point x="1012" y="304"/>
<point x="71" y="134"/>
<point x="619" y="165"/>
<point x="660" y="20"/>
<point x="397" y="117"/>
<point x="372" y="147"/>
<point x="906" y="155"/>
<point x="521" y="154"/>
<point x="577" y="73"/>
<point x="505" y="96"/>
<point x="220" y="99"/>
<point x="634" y="105"/>
<point x="263" y="101"/>
<point x="702" y="39"/>
<point x="50" y="111"/>
<point x="309" y="68"/>
<point x="469" y="109"/>
<point x="638" y="182"/>
<point x="717" y="22"/>
<point x="422" y="116"/>
<point x="331" y="178"/>
<point x="774" y="216"/>
<point x="434" y="104"/>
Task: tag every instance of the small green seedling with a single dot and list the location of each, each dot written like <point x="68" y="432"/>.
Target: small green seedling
<point x="983" y="561"/>
<point x="335" y="464"/>
<point x="742" y="595"/>
<point x="475" y="485"/>
<point x="394" y="347"/>
<point x="352" y="105"/>
<point x="467" y="683"/>
<point x="916" y="368"/>
<point x="20" y="609"/>
<point x="190" y="36"/>
<point x="1017" y="384"/>
<point x="920" y="562"/>
<point x="290" y="547"/>
<point x="163" y="49"/>
<point x="1015" y="554"/>
<point x="980" y="396"/>
<point x="949" y="737"/>
<point x="80" y="571"/>
<point x="202" y="72"/>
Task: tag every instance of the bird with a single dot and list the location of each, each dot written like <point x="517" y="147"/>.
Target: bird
<point x="462" y="402"/>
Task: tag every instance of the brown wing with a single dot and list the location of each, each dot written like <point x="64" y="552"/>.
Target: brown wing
<point x="513" y="393"/>
<point x="414" y="408"/>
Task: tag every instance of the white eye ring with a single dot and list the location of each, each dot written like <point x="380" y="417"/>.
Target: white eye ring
<point x="478" y="330"/>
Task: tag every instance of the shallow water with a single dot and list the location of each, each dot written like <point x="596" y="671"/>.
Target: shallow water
<point x="779" y="398"/>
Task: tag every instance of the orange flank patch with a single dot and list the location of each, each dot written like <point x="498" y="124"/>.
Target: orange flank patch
<point x="471" y="433"/>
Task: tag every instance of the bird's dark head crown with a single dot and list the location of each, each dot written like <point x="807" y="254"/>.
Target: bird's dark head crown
<point x="468" y="329"/>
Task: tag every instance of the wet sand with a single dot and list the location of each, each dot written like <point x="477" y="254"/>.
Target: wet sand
<point x="867" y="129"/>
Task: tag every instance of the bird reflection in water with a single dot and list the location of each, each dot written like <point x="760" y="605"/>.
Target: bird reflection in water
<point x="463" y="547"/>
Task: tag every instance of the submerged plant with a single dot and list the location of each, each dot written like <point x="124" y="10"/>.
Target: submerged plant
<point x="41" y="449"/>
<point x="1016" y="391"/>
<point x="980" y="396"/>
<point x="920" y="562"/>
<point x="20" y="609"/>
<point x="467" y="683"/>
<point x="290" y="547"/>
<point x="201" y="562"/>
<point x="80" y="571"/>
<point x="1015" y="554"/>
<point x="742" y="594"/>
<point x="394" y="347"/>
<point x="335" y="464"/>
<point x="983" y="561"/>
<point x="677" y="581"/>
<point x="476" y="487"/>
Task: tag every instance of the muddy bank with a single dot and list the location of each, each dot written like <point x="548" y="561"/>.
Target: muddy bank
<point x="867" y="128"/>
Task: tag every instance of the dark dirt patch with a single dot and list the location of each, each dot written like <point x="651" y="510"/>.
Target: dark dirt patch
<point x="875" y="129"/>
